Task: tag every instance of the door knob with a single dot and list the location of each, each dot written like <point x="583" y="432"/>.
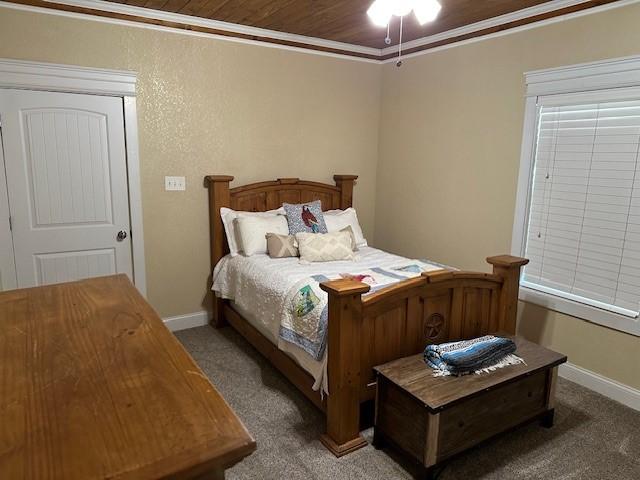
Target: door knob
<point x="122" y="234"/>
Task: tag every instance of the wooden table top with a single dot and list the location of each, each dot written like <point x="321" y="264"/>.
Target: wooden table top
<point x="437" y="393"/>
<point x="94" y="386"/>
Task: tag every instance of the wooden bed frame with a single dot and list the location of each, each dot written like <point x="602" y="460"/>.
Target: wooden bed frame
<point x="364" y="332"/>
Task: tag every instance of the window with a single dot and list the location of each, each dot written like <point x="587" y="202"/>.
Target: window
<point x="578" y="212"/>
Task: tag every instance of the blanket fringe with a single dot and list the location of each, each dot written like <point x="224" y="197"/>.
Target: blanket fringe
<point x="510" y="359"/>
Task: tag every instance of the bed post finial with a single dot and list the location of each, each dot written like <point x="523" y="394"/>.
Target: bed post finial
<point x="219" y="196"/>
<point x="345" y="184"/>
<point x="508" y="267"/>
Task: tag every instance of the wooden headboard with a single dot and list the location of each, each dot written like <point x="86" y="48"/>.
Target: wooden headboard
<point x="263" y="196"/>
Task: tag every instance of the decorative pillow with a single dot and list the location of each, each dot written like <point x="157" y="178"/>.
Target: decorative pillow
<point x="354" y="245"/>
<point x="305" y="217"/>
<point x="252" y="231"/>
<point x="325" y="247"/>
<point x="337" y="220"/>
<point x="281" y="246"/>
<point x="228" y="216"/>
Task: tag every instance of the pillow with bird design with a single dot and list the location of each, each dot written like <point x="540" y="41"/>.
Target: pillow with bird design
<point x="305" y="217"/>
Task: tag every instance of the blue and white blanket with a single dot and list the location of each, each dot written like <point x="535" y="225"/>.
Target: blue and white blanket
<point x="305" y="318"/>
<point x="478" y="355"/>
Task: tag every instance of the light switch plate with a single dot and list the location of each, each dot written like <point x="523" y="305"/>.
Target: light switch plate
<point x="175" y="183"/>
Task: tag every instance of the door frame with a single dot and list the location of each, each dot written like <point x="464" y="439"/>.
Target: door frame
<point x="51" y="77"/>
<point x="8" y="277"/>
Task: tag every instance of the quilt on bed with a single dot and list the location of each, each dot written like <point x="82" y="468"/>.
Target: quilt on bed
<point x="263" y="288"/>
<point x="305" y="317"/>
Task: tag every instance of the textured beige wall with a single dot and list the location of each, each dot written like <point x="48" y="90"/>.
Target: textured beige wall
<point x="449" y="146"/>
<point x="450" y="135"/>
<point x="207" y="106"/>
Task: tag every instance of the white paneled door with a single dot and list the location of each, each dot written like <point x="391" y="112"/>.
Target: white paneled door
<point x="66" y="178"/>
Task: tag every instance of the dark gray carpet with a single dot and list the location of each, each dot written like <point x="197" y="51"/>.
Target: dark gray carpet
<point x="594" y="437"/>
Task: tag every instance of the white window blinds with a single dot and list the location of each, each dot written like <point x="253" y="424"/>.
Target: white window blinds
<point x="583" y="237"/>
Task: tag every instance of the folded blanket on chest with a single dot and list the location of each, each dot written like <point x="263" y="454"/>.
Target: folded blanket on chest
<point x="471" y="356"/>
<point x="305" y="318"/>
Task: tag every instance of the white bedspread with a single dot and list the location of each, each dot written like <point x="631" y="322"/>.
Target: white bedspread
<point x="259" y="284"/>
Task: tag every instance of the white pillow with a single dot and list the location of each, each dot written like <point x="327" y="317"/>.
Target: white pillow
<point x="228" y="216"/>
<point x="325" y="247"/>
<point x="336" y="220"/>
<point x="252" y="231"/>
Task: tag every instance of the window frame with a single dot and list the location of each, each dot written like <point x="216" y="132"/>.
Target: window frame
<point x="617" y="78"/>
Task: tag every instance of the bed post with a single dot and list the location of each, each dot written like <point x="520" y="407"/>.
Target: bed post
<point x="345" y="184"/>
<point x="343" y="401"/>
<point x="508" y="267"/>
<point x="219" y="196"/>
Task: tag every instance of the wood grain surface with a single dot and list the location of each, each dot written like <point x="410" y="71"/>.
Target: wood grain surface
<point x="414" y="376"/>
<point x="434" y="418"/>
<point x="93" y="386"/>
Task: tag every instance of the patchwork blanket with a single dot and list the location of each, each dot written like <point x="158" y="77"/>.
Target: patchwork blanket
<point x="479" y="355"/>
<point x="305" y="319"/>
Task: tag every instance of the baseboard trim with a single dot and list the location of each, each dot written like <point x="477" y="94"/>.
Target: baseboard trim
<point x="190" y="320"/>
<point x="619" y="392"/>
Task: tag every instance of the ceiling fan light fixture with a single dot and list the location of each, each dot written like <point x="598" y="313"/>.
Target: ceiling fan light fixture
<point x="380" y="12"/>
<point x="426" y="10"/>
<point x="400" y="8"/>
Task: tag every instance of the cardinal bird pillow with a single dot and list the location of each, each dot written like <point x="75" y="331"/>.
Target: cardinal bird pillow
<point x="305" y="217"/>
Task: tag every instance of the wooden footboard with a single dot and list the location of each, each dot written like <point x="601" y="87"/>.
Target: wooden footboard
<point x="400" y="321"/>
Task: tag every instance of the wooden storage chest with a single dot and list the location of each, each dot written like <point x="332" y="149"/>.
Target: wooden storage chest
<point x="434" y="418"/>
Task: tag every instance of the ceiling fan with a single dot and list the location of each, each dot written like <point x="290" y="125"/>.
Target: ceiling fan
<point x="382" y="11"/>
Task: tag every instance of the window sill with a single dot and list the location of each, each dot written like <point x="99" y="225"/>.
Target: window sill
<point x="579" y="310"/>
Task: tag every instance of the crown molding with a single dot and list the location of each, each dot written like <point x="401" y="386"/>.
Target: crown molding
<point x="216" y="25"/>
<point x="122" y="14"/>
<point x="194" y="26"/>
<point x="518" y="15"/>
<point x="439" y="41"/>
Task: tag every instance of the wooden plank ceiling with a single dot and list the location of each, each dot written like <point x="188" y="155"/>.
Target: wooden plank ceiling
<point x="336" y="20"/>
<point x="339" y="20"/>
